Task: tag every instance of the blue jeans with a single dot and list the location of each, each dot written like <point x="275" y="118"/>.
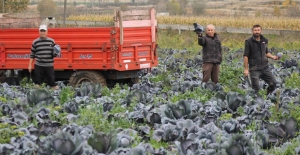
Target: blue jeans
<point x="265" y="75"/>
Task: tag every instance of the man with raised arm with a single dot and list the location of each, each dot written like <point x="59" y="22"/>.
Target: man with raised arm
<point x="212" y="54"/>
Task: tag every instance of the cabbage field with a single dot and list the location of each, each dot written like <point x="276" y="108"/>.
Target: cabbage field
<point x="168" y="112"/>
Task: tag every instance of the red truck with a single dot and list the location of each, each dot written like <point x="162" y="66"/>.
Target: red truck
<point x="96" y="54"/>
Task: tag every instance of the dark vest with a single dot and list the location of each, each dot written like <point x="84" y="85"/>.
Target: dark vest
<point x="258" y="50"/>
<point x="212" y="51"/>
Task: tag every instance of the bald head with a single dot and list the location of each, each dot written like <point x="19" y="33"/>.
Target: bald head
<point x="210" y="30"/>
<point x="210" y="26"/>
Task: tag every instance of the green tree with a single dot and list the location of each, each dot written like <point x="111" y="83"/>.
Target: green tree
<point x="173" y="7"/>
<point x="13" y="6"/>
<point x="47" y="8"/>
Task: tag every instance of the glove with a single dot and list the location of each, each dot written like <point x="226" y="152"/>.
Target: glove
<point x="200" y="34"/>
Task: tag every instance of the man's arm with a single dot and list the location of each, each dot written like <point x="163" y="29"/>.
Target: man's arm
<point x="201" y="39"/>
<point x="269" y="55"/>
<point x="246" y="58"/>
<point x="30" y="64"/>
<point x="32" y="56"/>
<point x="246" y="69"/>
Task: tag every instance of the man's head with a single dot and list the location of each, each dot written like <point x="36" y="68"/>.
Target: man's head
<point x="256" y="30"/>
<point x="43" y="31"/>
<point x="210" y="30"/>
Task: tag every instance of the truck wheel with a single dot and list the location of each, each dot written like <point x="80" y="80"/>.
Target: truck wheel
<point x="2" y="76"/>
<point x="86" y="76"/>
<point x="135" y="80"/>
<point x="2" y="73"/>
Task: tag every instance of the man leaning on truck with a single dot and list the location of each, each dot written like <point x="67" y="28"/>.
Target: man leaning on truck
<point x="42" y="51"/>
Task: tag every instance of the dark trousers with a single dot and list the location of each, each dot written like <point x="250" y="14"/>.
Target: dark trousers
<point x="41" y="72"/>
<point x="266" y="75"/>
<point x="210" y="71"/>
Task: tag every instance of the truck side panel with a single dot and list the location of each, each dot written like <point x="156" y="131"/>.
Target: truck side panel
<point x="83" y="48"/>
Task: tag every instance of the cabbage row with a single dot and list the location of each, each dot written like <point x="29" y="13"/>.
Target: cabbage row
<point x="170" y="111"/>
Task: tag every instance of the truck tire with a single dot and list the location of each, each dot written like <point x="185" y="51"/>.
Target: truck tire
<point x="2" y="76"/>
<point x="2" y="73"/>
<point x="86" y="76"/>
<point x="135" y="80"/>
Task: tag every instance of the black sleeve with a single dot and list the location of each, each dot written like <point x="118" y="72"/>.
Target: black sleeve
<point x="247" y="49"/>
<point x="201" y="41"/>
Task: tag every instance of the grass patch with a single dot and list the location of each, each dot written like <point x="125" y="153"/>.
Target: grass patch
<point x="229" y="76"/>
<point x="293" y="81"/>
<point x="288" y="150"/>
<point x="198" y="94"/>
<point x="93" y="115"/>
<point x="7" y="131"/>
<point x="66" y="94"/>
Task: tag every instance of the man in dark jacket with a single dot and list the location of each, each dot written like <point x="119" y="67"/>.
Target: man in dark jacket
<point x="212" y="54"/>
<point x="256" y="56"/>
